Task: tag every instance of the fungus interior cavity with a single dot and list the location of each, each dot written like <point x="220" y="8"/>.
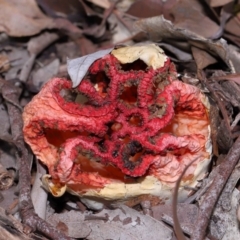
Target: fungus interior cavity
<point x="134" y="66"/>
<point x="129" y="94"/>
<point x="106" y="171"/>
<point x="135" y="120"/>
<point x="100" y="81"/>
<point x="57" y="137"/>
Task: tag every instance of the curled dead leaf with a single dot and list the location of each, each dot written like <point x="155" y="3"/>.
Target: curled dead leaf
<point x="22" y="18"/>
<point x="158" y="28"/>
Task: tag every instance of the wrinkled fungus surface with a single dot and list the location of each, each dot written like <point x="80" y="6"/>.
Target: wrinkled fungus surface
<point x="127" y="130"/>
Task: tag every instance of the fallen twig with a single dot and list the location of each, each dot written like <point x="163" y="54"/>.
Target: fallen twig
<point x="177" y="227"/>
<point x="211" y="196"/>
<point x="221" y="106"/>
<point x="225" y="198"/>
<point x="28" y="215"/>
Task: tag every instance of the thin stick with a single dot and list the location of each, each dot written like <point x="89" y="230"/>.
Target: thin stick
<point x="177" y="227"/>
<point x="211" y="196"/>
<point x="29" y="217"/>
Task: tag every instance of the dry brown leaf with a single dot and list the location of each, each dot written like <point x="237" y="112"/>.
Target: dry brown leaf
<point x="186" y="212"/>
<point x="225" y="14"/>
<point x="11" y="230"/>
<point x="231" y="77"/>
<point x="233" y="38"/>
<point x="218" y="3"/>
<point x="34" y="47"/>
<point x="4" y="63"/>
<point x="68" y="50"/>
<point x="159" y="28"/>
<point x="215" y="121"/>
<point x="122" y="28"/>
<point x="123" y="223"/>
<point x="4" y="127"/>
<point x="42" y="75"/>
<point x="177" y="52"/>
<point x="22" y="18"/>
<point x="202" y="58"/>
<point x="71" y="9"/>
<point x="86" y="46"/>
<point x="17" y="57"/>
<point x="151" y="8"/>
<point x="5" y="124"/>
<point x="188" y="14"/>
<point x="101" y="3"/>
<point x="233" y="25"/>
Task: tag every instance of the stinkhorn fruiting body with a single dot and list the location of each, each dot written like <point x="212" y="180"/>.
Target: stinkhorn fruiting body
<point x="128" y="130"/>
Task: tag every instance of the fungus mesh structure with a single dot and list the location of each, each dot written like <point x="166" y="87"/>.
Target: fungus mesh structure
<point x="122" y="122"/>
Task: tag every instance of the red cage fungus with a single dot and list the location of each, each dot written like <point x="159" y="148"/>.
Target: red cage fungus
<point x="127" y="130"/>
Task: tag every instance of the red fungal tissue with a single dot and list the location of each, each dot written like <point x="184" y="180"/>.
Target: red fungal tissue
<point x="126" y="131"/>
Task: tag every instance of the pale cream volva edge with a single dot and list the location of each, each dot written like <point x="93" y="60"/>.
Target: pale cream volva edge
<point x="151" y="54"/>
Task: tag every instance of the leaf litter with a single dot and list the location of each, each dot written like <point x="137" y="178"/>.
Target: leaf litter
<point x="122" y="223"/>
<point x="203" y="42"/>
